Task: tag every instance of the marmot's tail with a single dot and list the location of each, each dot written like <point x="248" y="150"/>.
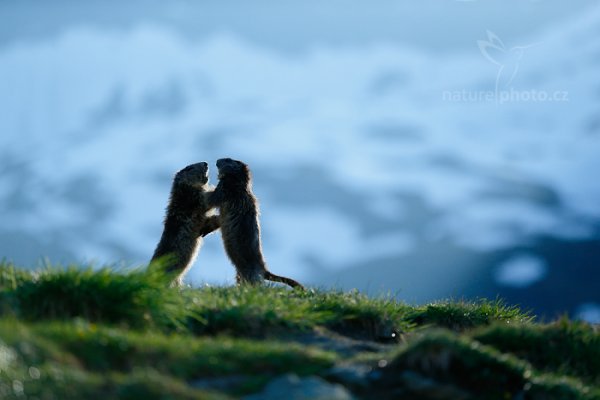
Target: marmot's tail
<point x="282" y="279"/>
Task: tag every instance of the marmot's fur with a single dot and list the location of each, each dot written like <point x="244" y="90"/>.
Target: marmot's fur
<point x="186" y="222"/>
<point x="240" y="228"/>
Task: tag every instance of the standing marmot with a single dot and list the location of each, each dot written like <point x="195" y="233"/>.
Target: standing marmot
<point x="240" y="228"/>
<point x="186" y="222"/>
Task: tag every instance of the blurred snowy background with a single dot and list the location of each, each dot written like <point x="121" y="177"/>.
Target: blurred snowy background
<point x="422" y="148"/>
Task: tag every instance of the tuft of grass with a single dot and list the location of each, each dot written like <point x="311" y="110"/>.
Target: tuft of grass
<point x="261" y="311"/>
<point x="462" y="315"/>
<point x="481" y="370"/>
<point x="357" y="315"/>
<point x="567" y="347"/>
<point x="245" y="311"/>
<point x="133" y="298"/>
<point x="11" y="276"/>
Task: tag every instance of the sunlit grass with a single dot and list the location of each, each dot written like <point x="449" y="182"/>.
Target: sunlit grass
<point x="461" y="315"/>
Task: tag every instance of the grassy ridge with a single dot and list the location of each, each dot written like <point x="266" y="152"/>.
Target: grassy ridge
<point x="83" y="333"/>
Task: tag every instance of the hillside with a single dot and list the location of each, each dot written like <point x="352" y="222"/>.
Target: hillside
<point x="100" y="334"/>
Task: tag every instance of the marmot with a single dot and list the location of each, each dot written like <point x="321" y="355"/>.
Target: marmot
<point x="186" y="222"/>
<point x="240" y="228"/>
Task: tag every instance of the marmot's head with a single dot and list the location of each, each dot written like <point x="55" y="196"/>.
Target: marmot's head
<point x="233" y="170"/>
<point x="193" y="175"/>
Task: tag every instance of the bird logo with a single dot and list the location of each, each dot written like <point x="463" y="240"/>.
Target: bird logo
<point x="507" y="59"/>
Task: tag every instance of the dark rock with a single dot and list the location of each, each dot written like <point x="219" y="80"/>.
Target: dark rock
<point x="223" y="383"/>
<point x="292" y="387"/>
<point x="427" y="388"/>
<point x="352" y="376"/>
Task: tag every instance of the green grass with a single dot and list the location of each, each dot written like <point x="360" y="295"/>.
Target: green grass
<point x="261" y="311"/>
<point x="564" y="346"/>
<point x="103" y="350"/>
<point x="138" y="299"/>
<point x="134" y="298"/>
<point x="481" y="370"/>
<point x="461" y="315"/>
<point x="50" y="381"/>
<point x="85" y="333"/>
